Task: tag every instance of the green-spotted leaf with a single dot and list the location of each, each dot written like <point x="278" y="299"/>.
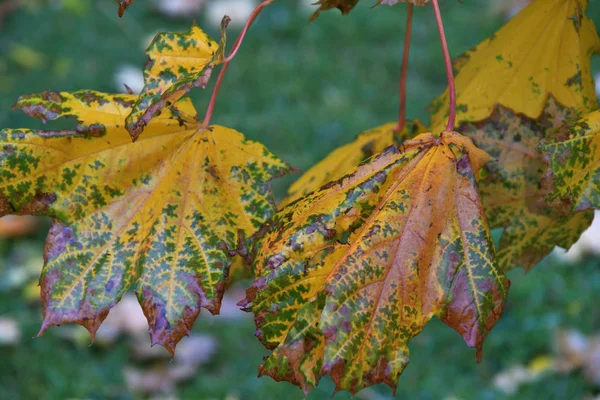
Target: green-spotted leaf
<point x="533" y="235"/>
<point x="177" y="62"/>
<point x="511" y="184"/>
<point x="574" y="174"/>
<point x="347" y="275"/>
<point x="347" y="157"/>
<point x="161" y="216"/>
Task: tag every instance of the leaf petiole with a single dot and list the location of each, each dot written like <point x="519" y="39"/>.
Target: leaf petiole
<point x="404" y="72"/>
<point x="448" y="61"/>
<point x="227" y="60"/>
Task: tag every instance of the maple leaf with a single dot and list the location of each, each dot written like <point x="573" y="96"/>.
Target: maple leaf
<point x="574" y="174"/>
<point x="347" y="275"/>
<point x="545" y="50"/>
<point x="177" y="62"/>
<point x="123" y="4"/>
<point x="161" y="215"/>
<point x="509" y="123"/>
<point x="342" y="159"/>
<point x="534" y="235"/>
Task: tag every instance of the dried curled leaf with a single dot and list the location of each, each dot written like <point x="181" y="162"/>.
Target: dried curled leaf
<point x="123" y="4"/>
<point x="345" y="6"/>
<point x="177" y="62"/>
<point x="347" y="275"/>
<point x="574" y="174"/>
<point x="161" y="216"/>
<point x="544" y="50"/>
<point x="347" y="157"/>
<point x="510" y="187"/>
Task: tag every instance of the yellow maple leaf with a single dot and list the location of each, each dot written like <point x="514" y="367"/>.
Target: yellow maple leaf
<point x="161" y="216"/>
<point x="545" y="50"/>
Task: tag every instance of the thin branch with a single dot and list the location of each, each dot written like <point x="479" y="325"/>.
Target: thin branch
<point x="449" y="71"/>
<point x="227" y="60"/>
<point x="404" y="72"/>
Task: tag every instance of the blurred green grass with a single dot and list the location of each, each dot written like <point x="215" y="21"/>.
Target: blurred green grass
<point x="302" y="89"/>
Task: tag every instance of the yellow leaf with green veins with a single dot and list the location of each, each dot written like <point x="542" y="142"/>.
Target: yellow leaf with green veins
<point x="544" y="50"/>
<point x="510" y="187"/>
<point x="177" y="62"/>
<point x="347" y="275"/>
<point x="161" y="216"/>
<point x="339" y="161"/>
<point x="574" y="174"/>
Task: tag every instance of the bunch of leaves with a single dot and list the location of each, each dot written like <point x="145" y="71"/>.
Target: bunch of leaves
<point x="516" y="90"/>
<point x="340" y="269"/>
<point x="381" y="236"/>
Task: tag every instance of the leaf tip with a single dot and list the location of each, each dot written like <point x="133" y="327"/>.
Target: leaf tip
<point x="45" y="325"/>
<point x="245" y="305"/>
<point x="134" y="131"/>
<point x="92" y="329"/>
<point x="128" y="89"/>
<point x="169" y="343"/>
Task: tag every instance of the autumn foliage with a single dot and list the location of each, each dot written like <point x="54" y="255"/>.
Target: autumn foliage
<point x="382" y="235"/>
